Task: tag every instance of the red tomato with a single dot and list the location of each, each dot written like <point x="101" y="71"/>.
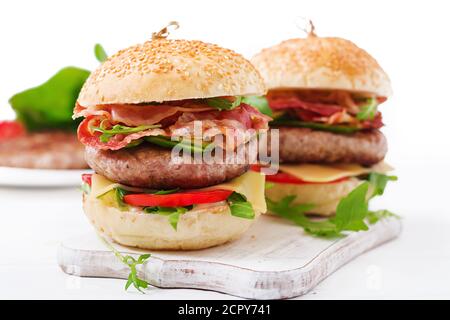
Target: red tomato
<point x="10" y="130"/>
<point x="179" y="199"/>
<point x="87" y="178"/>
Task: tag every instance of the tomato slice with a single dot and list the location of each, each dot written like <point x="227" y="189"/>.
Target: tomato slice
<point x="10" y="130"/>
<point x="179" y="199"/>
<point x="87" y="178"/>
<point x="282" y="177"/>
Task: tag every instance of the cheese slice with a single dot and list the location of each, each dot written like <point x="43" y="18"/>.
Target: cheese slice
<point x="100" y="186"/>
<point x="250" y="184"/>
<point x="329" y="173"/>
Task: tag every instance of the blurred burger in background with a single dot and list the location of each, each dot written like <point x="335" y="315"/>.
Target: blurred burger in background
<point x="43" y="136"/>
<point x="325" y="95"/>
<point x="138" y="106"/>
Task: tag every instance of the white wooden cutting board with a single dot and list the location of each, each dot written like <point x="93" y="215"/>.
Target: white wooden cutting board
<point x="273" y="260"/>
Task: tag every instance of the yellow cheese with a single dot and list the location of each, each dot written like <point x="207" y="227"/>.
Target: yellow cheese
<point x="100" y="185"/>
<point x="328" y="173"/>
<point x="250" y="184"/>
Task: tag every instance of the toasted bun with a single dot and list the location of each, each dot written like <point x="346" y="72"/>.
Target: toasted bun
<point x="321" y="63"/>
<point x="167" y="70"/>
<point x="197" y="229"/>
<point x="325" y="197"/>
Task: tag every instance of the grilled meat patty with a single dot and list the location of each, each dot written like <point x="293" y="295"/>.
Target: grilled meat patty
<point x="150" y="167"/>
<point x="302" y="145"/>
<point x="43" y="150"/>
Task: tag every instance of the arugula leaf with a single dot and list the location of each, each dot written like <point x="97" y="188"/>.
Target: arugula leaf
<point x="268" y="185"/>
<point x="188" y="146"/>
<point x="100" y="53"/>
<point x="224" y="104"/>
<point x="313" y="125"/>
<point x="296" y="213"/>
<point x="258" y="102"/>
<point x="132" y="263"/>
<point x="85" y="188"/>
<point x="114" y="198"/>
<point x="173" y="213"/>
<point x="351" y="213"/>
<point x="240" y="207"/>
<point x="167" y="191"/>
<point x="352" y="210"/>
<point x="120" y="193"/>
<point x="374" y="216"/>
<point x="134" y="143"/>
<point x="369" y="110"/>
<point x="107" y="134"/>
<point x="379" y="182"/>
<point x="50" y="105"/>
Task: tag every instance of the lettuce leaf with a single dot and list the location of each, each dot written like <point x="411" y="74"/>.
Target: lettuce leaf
<point x="50" y="105"/>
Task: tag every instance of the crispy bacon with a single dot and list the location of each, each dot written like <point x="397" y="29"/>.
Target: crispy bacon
<point x="295" y="102"/>
<point x="116" y="142"/>
<point x="237" y="122"/>
<point x="331" y="107"/>
<point x="136" y="115"/>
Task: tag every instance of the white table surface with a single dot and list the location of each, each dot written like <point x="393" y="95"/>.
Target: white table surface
<point x="416" y="265"/>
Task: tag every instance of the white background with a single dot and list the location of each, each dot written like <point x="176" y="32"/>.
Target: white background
<point x="410" y="39"/>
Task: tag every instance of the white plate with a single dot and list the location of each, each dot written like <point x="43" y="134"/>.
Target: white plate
<point x="20" y="177"/>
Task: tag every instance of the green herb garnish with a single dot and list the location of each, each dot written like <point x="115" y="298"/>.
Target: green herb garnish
<point x="100" y="53"/>
<point x="368" y="111"/>
<point x="173" y="213"/>
<point x="313" y="125"/>
<point x="85" y="188"/>
<point x="167" y="191"/>
<point x="132" y="263"/>
<point x="188" y="146"/>
<point x="375" y="216"/>
<point x="296" y="213"/>
<point x="379" y="182"/>
<point x="119" y="194"/>
<point x="258" y="102"/>
<point x="224" y="104"/>
<point x="107" y="134"/>
<point x="352" y="211"/>
<point x="240" y="207"/>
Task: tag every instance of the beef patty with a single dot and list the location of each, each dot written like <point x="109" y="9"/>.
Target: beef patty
<point x="149" y="166"/>
<point x="302" y="145"/>
<point x="43" y="150"/>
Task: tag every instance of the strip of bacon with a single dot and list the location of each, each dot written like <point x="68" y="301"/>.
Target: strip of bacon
<point x="117" y="142"/>
<point x="137" y="115"/>
<point x="237" y="122"/>
<point x="295" y="102"/>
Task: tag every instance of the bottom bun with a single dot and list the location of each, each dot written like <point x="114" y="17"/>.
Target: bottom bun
<point x="325" y="197"/>
<point x="204" y="227"/>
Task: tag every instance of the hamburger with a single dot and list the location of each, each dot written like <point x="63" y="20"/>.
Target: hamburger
<point x="141" y="104"/>
<point x="43" y="136"/>
<point x="325" y="95"/>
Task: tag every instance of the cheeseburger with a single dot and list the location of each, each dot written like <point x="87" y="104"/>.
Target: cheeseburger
<point x="324" y="94"/>
<point x="141" y="104"/>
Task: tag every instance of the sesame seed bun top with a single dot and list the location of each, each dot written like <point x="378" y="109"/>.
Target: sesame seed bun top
<point x="167" y="70"/>
<point x="321" y="63"/>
